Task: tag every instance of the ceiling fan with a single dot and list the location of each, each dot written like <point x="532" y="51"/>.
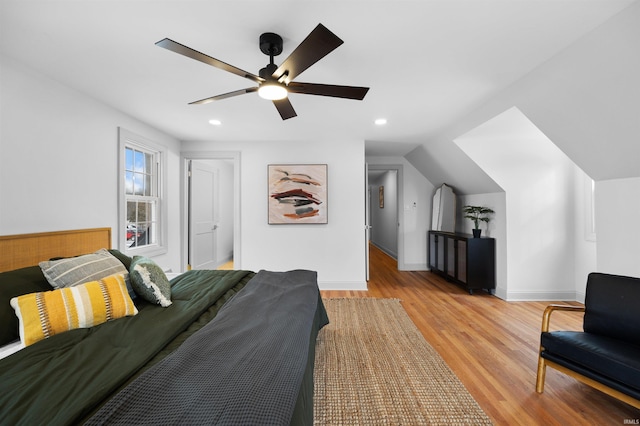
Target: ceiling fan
<point x="276" y="82"/>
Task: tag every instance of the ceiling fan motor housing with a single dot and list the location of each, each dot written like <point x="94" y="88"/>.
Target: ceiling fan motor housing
<point x="271" y="44"/>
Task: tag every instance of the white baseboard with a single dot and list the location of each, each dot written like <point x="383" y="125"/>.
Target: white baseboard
<point x="386" y="250"/>
<point x="343" y="285"/>
<point x="540" y="296"/>
<point x="413" y="267"/>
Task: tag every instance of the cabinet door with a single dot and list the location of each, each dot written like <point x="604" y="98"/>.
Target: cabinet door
<point x="461" y="260"/>
<point x="451" y="244"/>
<point x="440" y="250"/>
<point x="432" y="250"/>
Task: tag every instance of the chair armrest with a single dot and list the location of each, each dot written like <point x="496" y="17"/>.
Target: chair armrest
<point x="546" y="316"/>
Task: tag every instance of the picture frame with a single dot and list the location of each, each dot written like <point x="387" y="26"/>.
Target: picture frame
<point x="381" y="196"/>
<point x="297" y="194"/>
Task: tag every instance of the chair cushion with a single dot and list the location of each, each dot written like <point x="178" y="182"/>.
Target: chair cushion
<point x="611" y="307"/>
<point x="609" y="357"/>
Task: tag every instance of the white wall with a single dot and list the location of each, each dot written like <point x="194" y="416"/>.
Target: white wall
<point x="618" y="233"/>
<point x="415" y="218"/>
<point x="540" y="183"/>
<point x="336" y="250"/>
<point x="58" y="159"/>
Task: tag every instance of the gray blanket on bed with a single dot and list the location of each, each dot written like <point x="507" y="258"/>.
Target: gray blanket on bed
<point x="243" y="368"/>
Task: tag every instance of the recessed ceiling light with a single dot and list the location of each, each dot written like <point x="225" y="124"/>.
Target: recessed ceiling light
<point x="215" y="122"/>
<point x="381" y="121"/>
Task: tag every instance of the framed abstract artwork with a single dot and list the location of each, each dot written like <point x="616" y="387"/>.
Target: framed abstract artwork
<point x="297" y="193"/>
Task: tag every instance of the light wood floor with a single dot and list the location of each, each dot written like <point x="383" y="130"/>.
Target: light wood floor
<point x="492" y="347"/>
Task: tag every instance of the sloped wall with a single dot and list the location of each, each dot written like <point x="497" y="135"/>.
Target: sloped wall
<point x="540" y="183"/>
<point x="585" y="100"/>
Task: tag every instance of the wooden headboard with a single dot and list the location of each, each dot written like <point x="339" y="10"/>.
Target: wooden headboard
<point x="18" y="251"/>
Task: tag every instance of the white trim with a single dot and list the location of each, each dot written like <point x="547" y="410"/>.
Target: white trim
<point x="541" y="296"/>
<point x="414" y="267"/>
<point x="343" y="285"/>
<point x="590" y="220"/>
<point x="128" y="138"/>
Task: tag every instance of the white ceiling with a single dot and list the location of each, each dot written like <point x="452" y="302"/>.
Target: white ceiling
<point x="427" y="62"/>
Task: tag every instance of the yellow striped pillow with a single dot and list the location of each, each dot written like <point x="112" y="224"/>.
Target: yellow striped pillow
<point x="42" y="315"/>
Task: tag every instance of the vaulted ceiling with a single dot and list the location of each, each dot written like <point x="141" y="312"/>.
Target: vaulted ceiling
<point x="428" y="63"/>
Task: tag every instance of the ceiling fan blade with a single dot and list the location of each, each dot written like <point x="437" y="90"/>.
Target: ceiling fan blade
<point x="198" y="56"/>
<point x="224" y="96"/>
<point x="285" y="108"/>
<point x="347" y="92"/>
<point x="318" y="44"/>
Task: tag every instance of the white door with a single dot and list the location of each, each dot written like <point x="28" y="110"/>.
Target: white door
<point x="203" y="200"/>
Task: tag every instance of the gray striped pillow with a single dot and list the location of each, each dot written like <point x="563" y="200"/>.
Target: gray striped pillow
<point x="73" y="271"/>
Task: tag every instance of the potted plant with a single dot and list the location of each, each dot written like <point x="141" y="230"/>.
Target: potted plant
<point x="477" y="214"/>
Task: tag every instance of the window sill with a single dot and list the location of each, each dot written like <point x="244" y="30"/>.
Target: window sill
<point x="150" y="251"/>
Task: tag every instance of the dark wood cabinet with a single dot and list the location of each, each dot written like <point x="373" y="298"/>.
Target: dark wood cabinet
<point x="462" y="259"/>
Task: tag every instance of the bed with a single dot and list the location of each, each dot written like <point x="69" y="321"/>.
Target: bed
<point x="229" y="347"/>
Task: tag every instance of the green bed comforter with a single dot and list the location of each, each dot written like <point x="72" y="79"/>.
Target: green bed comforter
<point x="63" y="379"/>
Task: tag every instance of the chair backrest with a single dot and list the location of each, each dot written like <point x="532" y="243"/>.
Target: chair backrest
<point x="612" y="306"/>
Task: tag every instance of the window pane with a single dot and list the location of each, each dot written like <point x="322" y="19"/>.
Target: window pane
<point x="131" y="212"/>
<point x="138" y="184"/>
<point x="142" y="213"/>
<point x="128" y="159"/>
<point x="128" y="182"/>
<point x="139" y="165"/>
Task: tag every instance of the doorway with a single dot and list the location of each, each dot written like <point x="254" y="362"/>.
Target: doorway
<point x="211" y="209"/>
<point x="385" y="208"/>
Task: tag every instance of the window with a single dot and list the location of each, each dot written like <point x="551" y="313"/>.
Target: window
<point x="142" y="224"/>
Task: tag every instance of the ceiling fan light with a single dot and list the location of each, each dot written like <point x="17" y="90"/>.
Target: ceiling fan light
<point x="272" y="92"/>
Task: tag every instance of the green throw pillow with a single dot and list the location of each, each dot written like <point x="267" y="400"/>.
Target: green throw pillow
<point x="12" y="284"/>
<point x="149" y="281"/>
<point x="126" y="260"/>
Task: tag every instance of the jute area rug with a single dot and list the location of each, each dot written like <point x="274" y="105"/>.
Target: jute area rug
<point x="373" y="367"/>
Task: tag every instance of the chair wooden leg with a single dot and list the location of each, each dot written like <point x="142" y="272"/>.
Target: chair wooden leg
<point x="542" y="369"/>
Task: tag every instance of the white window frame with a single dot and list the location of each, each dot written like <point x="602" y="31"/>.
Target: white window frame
<point x="590" y="208"/>
<point x="128" y="139"/>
